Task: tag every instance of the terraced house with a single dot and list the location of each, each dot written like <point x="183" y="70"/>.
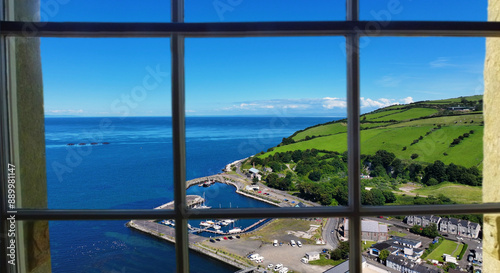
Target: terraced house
<point x="422" y="220"/>
<point x="459" y="227"/>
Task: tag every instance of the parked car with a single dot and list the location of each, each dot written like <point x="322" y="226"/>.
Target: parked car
<point x="275" y="243"/>
<point x="299" y="244"/>
<point x="292" y="243"/>
<point x="278" y="267"/>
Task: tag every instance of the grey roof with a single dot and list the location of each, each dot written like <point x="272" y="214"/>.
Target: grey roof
<point x="405" y="240"/>
<point x="474" y="225"/>
<point x="454" y="221"/>
<point x="381" y="246"/>
<point x="402" y="261"/>
<point x="464" y="223"/>
<point x="369" y="226"/>
<point x="253" y="170"/>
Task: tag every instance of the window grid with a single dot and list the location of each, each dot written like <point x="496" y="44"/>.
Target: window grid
<point x="178" y="30"/>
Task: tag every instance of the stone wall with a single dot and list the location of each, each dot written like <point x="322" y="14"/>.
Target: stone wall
<point x="491" y="169"/>
<point x="29" y="141"/>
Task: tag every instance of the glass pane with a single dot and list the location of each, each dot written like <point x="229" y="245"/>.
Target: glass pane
<point x="423" y="242"/>
<point x="255" y="97"/>
<point x="106" y="135"/>
<point x="422" y="123"/>
<point x="92" y="11"/>
<point x="423" y="10"/>
<point x="269" y="244"/>
<point x="263" y="10"/>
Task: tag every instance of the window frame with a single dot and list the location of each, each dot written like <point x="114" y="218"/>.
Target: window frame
<point x="177" y="30"/>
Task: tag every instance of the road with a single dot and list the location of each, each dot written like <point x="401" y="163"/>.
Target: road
<point x="329" y="236"/>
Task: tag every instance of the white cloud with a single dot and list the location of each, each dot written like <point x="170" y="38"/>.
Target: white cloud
<point x="330" y="103"/>
<point x="310" y="105"/>
<point x="79" y="111"/>
<point x="389" y="81"/>
<point x="440" y="62"/>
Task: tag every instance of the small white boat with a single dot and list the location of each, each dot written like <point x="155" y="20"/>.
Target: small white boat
<point x="207" y="223"/>
<point x="216" y="227"/>
<point x="235" y="230"/>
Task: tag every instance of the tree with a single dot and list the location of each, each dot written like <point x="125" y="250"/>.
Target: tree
<point x="436" y="170"/>
<point x="413" y="156"/>
<point x="255" y="180"/>
<point x="390" y="197"/>
<point x="374" y="197"/>
<point x="431" y="182"/>
<point x="384" y="254"/>
<point x="315" y="175"/>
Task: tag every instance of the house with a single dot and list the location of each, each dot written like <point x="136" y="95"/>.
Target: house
<point x="422" y="221"/>
<point x="405" y="265"/>
<point x="312" y="256"/>
<point x="459" y="227"/>
<point x="370" y="230"/>
<point x="375" y="249"/>
<point x="253" y="172"/>
<point x="410" y="243"/>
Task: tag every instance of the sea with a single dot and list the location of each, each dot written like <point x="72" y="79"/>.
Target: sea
<point x="129" y="166"/>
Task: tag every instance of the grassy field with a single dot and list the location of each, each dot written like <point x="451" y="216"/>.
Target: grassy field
<point x="324" y="261"/>
<point x="459" y="193"/>
<point x="380" y="114"/>
<point x="395" y="233"/>
<point x="472" y="119"/>
<point x="279" y="227"/>
<point x="408" y="114"/>
<point x="456" y="100"/>
<point x="367" y="244"/>
<point x="328" y="129"/>
<point x="446" y="247"/>
<point x="435" y="146"/>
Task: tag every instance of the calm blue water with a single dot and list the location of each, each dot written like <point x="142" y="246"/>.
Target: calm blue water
<point x="134" y="171"/>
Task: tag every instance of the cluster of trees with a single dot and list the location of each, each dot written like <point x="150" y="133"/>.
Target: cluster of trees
<point x="457" y="141"/>
<point x="333" y="192"/>
<point x="282" y="183"/>
<point x="322" y="177"/>
<point x="438" y="172"/>
<point x="341" y="252"/>
<point x="428" y="231"/>
<point x="377" y="197"/>
<point x="385" y="164"/>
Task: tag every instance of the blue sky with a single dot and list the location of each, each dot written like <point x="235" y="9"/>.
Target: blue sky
<point x="293" y="76"/>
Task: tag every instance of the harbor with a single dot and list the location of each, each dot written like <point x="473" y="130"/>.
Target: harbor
<point x="228" y="240"/>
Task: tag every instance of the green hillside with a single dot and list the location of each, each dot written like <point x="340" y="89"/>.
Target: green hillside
<point x="395" y="131"/>
<point x="437" y="145"/>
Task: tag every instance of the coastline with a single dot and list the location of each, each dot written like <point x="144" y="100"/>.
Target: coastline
<point x="196" y="241"/>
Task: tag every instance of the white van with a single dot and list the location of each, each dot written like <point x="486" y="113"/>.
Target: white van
<point x="275" y="243"/>
<point x="304" y="260"/>
<point x="253" y="257"/>
<point x="284" y="270"/>
<point x="292" y="243"/>
<point x="278" y="267"/>
<point x="299" y="244"/>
